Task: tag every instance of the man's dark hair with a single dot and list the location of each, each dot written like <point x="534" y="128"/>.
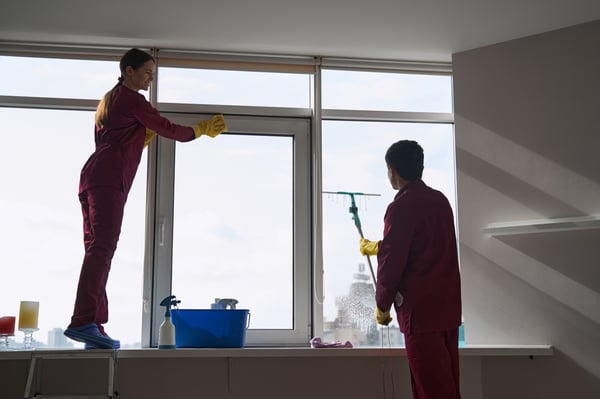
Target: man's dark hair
<point x="406" y="157"/>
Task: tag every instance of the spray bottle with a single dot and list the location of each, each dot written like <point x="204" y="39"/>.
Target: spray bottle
<point x="166" y="334"/>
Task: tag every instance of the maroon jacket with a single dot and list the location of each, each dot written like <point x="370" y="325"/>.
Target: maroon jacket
<point x="120" y="143"/>
<point x="418" y="258"/>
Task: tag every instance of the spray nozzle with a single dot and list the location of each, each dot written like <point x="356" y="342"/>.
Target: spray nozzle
<point x="168" y="302"/>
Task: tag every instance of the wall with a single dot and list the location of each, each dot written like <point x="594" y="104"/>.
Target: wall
<point x="215" y="374"/>
<point x="528" y="141"/>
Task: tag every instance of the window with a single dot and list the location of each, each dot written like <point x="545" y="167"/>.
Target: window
<point x="381" y="91"/>
<point x="249" y="88"/>
<point x="235" y="216"/>
<point x="240" y="202"/>
<point x="353" y="162"/>
<point x="240" y="225"/>
<point x="233" y="235"/>
<point x="43" y="239"/>
<point x="43" y="152"/>
<point x="59" y="78"/>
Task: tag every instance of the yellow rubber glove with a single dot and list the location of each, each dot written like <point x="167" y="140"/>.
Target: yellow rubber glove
<point x="150" y="134"/>
<point x="382" y="318"/>
<point x="369" y="247"/>
<point x="211" y="127"/>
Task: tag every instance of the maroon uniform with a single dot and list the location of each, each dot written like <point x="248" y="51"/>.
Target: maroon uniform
<point x="105" y="182"/>
<point x="418" y="260"/>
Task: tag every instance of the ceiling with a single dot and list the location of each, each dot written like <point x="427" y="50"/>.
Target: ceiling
<point x="404" y="30"/>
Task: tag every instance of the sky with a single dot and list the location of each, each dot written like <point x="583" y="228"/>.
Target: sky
<point x="232" y="213"/>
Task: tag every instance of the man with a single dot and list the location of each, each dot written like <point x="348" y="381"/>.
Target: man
<point x="418" y="273"/>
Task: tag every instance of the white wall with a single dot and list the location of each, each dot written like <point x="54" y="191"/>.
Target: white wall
<point x="528" y="140"/>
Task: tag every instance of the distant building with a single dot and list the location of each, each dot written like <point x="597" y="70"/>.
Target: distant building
<point x="355" y="320"/>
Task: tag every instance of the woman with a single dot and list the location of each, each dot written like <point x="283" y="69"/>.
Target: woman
<point x="125" y="123"/>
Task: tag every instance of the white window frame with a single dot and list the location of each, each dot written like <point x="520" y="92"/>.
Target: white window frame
<point x="161" y="178"/>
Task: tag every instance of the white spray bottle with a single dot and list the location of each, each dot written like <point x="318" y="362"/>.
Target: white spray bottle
<point x="166" y="333"/>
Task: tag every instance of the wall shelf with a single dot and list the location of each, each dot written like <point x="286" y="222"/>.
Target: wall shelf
<point x="543" y="225"/>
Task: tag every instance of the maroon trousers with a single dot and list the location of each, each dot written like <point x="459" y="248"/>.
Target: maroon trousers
<point x="433" y="363"/>
<point x="102" y="209"/>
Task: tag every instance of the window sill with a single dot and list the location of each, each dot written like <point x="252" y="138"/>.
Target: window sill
<point x="468" y="350"/>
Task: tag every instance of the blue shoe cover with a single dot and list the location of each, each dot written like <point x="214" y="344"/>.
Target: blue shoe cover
<point x="116" y="344"/>
<point x="92" y="337"/>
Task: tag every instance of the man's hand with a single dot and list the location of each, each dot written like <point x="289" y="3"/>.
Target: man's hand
<point x="383" y="318"/>
<point x="369" y="247"/>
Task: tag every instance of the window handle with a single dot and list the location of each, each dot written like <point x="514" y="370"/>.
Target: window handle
<point x="161" y="232"/>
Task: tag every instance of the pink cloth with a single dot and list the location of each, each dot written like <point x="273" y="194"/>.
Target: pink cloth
<point x="316" y="342"/>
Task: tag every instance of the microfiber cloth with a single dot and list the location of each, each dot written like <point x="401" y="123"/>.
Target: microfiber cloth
<point x="92" y="337"/>
<point x="316" y="342"/>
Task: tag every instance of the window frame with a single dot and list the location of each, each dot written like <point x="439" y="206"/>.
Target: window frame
<point x="358" y="115"/>
<point x="158" y="260"/>
<point x="307" y="157"/>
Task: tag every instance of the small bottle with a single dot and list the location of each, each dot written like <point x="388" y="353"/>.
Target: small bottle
<point x="166" y="333"/>
<point x="222" y="304"/>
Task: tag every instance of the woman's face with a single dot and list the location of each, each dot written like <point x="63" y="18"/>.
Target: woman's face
<point x="140" y="79"/>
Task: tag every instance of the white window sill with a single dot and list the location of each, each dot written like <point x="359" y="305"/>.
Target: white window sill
<point x="468" y="350"/>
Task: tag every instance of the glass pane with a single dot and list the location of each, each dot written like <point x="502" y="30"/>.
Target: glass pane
<point x="59" y="78"/>
<point x="379" y="91"/>
<point x="353" y="162"/>
<point x="207" y="86"/>
<point x="42" y="239"/>
<point x="233" y="224"/>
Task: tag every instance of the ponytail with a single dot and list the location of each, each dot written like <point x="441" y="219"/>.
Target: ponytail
<point x="104" y="105"/>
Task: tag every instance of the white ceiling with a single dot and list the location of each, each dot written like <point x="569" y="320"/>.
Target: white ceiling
<point x="407" y="30"/>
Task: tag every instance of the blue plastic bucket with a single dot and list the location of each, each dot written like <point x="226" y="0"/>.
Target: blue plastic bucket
<point x="210" y="328"/>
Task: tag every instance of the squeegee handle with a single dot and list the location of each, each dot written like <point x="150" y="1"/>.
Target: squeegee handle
<point x="367" y="256"/>
<point x="354" y="211"/>
<point x="371" y="268"/>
